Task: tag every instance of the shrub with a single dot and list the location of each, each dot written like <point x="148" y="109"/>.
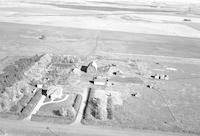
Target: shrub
<point x="20" y="104"/>
<point x="4" y="105"/>
<point x="32" y="104"/>
<point x="13" y="73"/>
<point x="95" y="108"/>
<point x="16" y="108"/>
<point x="109" y="108"/>
<point x="24" y="100"/>
<point x="77" y="102"/>
<point x="70" y="113"/>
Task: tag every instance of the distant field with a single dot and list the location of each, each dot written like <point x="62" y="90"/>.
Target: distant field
<point x="82" y="42"/>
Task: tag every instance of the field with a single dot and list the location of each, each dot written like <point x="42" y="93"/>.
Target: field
<point x="157" y="104"/>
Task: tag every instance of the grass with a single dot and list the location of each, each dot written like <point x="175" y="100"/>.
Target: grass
<point x="9" y="115"/>
<point x="109" y="108"/>
<point x="21" y="104"/>
<point x="62" y="112"/>
<point x="135" y="80"/>
<point x="14" y="72"/>
<point x="47" y="110"/>
<point x="77" y="102"/>
<point x="93" y="115"/>
<point x="11" y="74"/>
<point x="26" y="111"/>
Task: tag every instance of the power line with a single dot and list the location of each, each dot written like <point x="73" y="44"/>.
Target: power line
<point x="170" y="111"/>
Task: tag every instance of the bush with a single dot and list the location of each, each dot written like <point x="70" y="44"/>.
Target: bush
<point x="70" y="113"/>
<point x="77" y="102"/>
<point x="32" y="104"/>
<point x="16" y="108"/>
<point x="20" y="104"/>
<point x="25" y="62"/>
<point x="87" y="110"/>
<point x="13" y="73"/>
<point x="24" y="100"/>
<point x="109" y="108"/>
<point x="4" y="105"/>
<point x="95" y="108"/>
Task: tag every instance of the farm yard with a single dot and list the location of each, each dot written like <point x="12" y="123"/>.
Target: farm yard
<point x="59" y="112"/>
<point x="125" y="93"/>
